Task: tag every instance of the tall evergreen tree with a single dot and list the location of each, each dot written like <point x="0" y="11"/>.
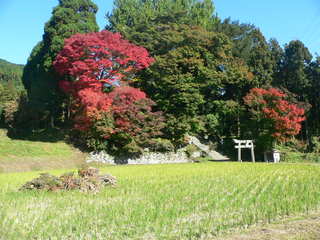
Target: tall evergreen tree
<point x="250" y="45"/>
<point x="294" y="67"/>
<point x="313" y="94"/>
<point x="39" y="78"/>
<point x="277" y="55"/>
<point x="294" y="75"/>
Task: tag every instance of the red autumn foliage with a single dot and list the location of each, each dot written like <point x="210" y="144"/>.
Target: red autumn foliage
<point x="93" y="63"/>
<point x="272" y="104"/>
<point x="101" y="57"/>
<point x="132" y="113"/>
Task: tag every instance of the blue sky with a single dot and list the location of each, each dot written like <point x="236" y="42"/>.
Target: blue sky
<point x="22" y="21"/>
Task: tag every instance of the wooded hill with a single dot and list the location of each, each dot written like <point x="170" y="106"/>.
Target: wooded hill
<point x="10" y="72"/>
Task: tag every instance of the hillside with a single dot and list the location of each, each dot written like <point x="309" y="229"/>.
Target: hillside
<point x="11" y="72"/>
<point x="18" y="155"/>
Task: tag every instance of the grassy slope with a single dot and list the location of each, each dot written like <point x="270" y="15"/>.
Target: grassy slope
<point x="186" y="201"/>
<point x="23" y="155"/>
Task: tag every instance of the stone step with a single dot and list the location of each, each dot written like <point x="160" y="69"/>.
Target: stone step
<point x="213" y="154"/>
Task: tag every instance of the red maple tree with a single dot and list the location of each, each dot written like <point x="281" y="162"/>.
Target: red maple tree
<point x="272" y="106"/>
<point x="95" y="70"/>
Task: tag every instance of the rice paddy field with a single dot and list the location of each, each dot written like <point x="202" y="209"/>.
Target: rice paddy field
<point x="177" y="201"/>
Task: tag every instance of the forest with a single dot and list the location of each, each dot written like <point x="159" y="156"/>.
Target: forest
<point x="149" y="80"/>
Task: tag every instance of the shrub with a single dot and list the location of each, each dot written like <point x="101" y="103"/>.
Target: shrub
<point x="191" y="149"/>
<point x="160" y="145"/>
<point x="315" y="141"/>
<point x="9" y="112"/>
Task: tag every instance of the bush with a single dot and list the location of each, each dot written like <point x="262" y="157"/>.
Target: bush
<point x="9" y="112"/>
<point x="315" y="142"/>
<point x="132" y="150"/>
<point x="191" y="149"/>
<point x="160" y="145"/>
<point x="291" y="153"/>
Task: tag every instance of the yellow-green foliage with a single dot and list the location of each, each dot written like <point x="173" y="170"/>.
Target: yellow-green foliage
<point x="185" y="201"/>
<point x="294" y="154"/>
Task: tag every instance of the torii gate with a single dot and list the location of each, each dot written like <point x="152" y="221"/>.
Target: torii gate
<point x="244" y="144"/>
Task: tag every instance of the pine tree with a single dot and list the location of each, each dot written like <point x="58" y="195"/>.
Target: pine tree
<point x="294" y="68"/>
<point x="39" y="78"/>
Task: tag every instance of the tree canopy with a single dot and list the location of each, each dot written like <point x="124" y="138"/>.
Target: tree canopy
<point x="177" y="60"/>
<point x="95" y="69"/>
<point x="68" y="18"/>
<point x="126" y="15"/>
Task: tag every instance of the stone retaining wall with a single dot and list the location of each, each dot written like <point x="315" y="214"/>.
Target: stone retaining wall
<point x="146" y="158"/>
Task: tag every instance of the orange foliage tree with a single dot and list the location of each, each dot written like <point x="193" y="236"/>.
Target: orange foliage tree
<point x="274" y="114"/>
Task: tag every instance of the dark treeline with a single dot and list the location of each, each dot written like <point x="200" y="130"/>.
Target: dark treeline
<point x="203" y="68"/>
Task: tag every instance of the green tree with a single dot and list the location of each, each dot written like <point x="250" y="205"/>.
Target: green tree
<point x="294" y="68"/>
<point x="314" y="97"/>
<point x="277" y="55"/>
<point x="39" y="78"/>
<point x="193" y="69"/>
<point x="194" y="75"/>
<point x="126" y="15"/>
<point x="250" y="45"/>
<point x="294" y="75"/>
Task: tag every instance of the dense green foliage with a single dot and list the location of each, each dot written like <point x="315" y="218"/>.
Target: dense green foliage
<point x="68" y="18"/>
<point x="189" y="201"/>
<point x="193" y="70"/>
<point x="11" y="74"/>
<point x="203" y="68"/>
<point x="202" y="71"/>
<point x="11" y="88"/>
<point x="297" y="72"/>
<point x="126" y="16"/>
<point x="312" y="93"/>
<point x="250" y="45"/>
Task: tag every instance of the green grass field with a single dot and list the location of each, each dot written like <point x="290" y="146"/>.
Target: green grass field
<point x="27" y="155"/>
<point x="178" y="201"/>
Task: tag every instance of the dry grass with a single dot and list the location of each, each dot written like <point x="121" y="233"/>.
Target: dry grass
<point x="304" y="227"/>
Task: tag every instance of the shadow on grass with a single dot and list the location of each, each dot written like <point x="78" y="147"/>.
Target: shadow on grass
<point x="220" y="160"/>
<point x="40" y="135"/>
